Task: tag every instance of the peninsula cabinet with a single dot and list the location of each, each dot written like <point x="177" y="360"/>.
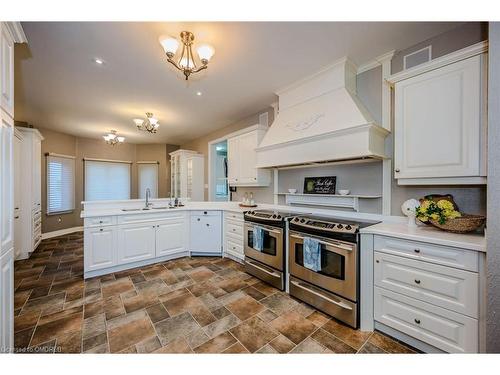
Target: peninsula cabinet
<point x="242" y="159"/>
<point x="114" y="243"/>
<point x="440" y="120"/>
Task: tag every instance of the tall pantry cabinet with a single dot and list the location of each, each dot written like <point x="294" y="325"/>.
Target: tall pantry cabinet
<point x="10" y="32"/>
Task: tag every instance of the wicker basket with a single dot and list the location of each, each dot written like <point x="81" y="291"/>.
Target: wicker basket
<point x="464" y="224"/>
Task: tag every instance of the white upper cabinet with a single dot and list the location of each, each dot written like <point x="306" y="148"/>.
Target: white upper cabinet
<point x="439" y="124"/>
<point x="7" y="70"/>
<point x="242" y="159"/>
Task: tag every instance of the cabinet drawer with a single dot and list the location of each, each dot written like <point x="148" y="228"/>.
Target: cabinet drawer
<point x="445" y="287"/>
<point x="444" y="329"/>
<point x="205" y="213"/>
<point x="100" y="220"/>
<point x="234" y="229"/>
<point x="234" y="238"/>
<point x="150" y="216"/>
<point x="233" y="216"/>
<point x="447" y="256"/>
<point x="234" y="248"/>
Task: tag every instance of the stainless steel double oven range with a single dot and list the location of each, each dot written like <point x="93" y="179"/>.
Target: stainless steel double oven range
<point x="334" y="288"/>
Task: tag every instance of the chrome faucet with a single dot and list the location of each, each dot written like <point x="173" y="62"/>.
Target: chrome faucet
<point x="148" y="195"/>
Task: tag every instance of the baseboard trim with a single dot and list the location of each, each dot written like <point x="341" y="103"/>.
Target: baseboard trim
<point x="61" y="232"/>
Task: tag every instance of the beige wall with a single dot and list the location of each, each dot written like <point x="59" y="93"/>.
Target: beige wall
<point x="201" y="144"/>
<point x="93" y="148"/>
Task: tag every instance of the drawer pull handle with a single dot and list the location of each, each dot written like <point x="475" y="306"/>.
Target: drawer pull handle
<point x="417" y="281"/>
<point x="417" y="321"/>
<point x="417" y="251"/>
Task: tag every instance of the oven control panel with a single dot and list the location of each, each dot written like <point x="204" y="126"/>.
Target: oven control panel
<point x="326" y="226"/>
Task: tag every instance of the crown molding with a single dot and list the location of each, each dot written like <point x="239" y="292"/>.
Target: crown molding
<point x="377" y="61"/>
<point x="17" y="32"/>
<point x="462" y="54"/>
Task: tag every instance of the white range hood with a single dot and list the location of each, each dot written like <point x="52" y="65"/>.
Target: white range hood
<point x="321" y="119"/>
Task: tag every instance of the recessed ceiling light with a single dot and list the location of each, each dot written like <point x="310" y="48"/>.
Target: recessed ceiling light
<point x="199" y="93"/>
<point x="98" y="61"/>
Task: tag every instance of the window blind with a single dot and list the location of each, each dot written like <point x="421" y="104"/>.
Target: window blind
<point x="106" y="180"/>
<point x="60" y="183"/>
<point x="148" y="178"/>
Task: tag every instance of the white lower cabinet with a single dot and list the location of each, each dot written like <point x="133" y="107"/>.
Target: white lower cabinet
<point x="114" y="243"/>
<point x="206" y="233"/>
<point x="7" y="301"/>
<point x="100" y="245"/>
<point x="233" y="235"/>
<point x="170" y="237"/>
<point x="136" y="242"/>
<point x="428" y="292"/>
<point x="444" y="329"/>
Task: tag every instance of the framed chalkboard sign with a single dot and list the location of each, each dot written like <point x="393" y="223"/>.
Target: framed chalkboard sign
<point x="320" y="185"/>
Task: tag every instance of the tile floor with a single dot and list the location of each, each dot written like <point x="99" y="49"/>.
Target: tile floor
<point x="188" y="305"/>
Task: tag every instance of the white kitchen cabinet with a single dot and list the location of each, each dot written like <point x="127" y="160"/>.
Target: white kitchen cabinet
<point x="187" y="175"/>
<point x="100" y="245"/>
<point x="242" y="159"/>
<point x="206" y="233"/>
<point x="171" y="237"/>
<point x="30" y="175"/>
<point x="113" y="243"/>
<point x="136" y="242"/>
<point x="427" y="292"/>
<point x="6" y="70"/>
<point x="7" y="301"/>
<point x="233" y="235"/>
<point x="440" y="123"/>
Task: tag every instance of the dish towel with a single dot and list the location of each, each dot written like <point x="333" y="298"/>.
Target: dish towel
<point x="312" y="254"/>
<point x="258" y="238"/>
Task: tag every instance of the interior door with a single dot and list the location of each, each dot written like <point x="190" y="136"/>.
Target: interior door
<point x="136" y="242"/>
<point x="170" y="237"/>
<point x="438" y="122"/>
<point x="248" y="158"/>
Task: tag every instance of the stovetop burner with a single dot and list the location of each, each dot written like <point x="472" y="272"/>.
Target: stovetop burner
<point x="329" y="226"/>
<point x="268" y="215"/>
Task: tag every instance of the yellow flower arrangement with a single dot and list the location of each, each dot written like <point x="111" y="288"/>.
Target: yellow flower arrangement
<point x="440" y="211"/>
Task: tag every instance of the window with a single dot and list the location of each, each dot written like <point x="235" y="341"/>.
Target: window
<point x="106" y="180"/>
<point x="60" y="183"/>
<point x="148" y="178"/>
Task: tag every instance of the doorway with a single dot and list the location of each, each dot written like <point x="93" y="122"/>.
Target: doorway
<point x="219" y="188"/>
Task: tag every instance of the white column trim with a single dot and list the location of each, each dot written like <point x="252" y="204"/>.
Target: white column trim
<point x="385" y="61"/>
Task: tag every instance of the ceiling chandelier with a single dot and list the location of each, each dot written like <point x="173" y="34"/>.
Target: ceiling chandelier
<point x="185" y="61"/>
<point x="149" y="124"/>
<point x="112" y="139"/>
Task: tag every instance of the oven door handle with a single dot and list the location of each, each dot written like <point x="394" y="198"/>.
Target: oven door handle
<point x="273" y="274"/>
<point x="334" y="244"/>
<point x="339" y="304"/>
<point x="266" y="228"/>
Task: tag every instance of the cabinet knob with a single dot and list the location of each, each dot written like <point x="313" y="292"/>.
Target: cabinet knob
<point x="417" y="321"/>
<point x="234" y="248"/>
<point x="16" y="217"/>
<point x="397" y="170"/>
<point x="198" y="219"/>
<point x="377" y="261"/>
<point x="234" y="230"/>
<point x="417" y="281"/>
<point x="417" y="251"/>
<point x="208" y="225"/>
<point x="100" y="221"/>
<point x="100" y="230"/>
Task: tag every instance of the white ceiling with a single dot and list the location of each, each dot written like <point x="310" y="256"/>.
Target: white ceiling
<point x="58" y="86"/>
